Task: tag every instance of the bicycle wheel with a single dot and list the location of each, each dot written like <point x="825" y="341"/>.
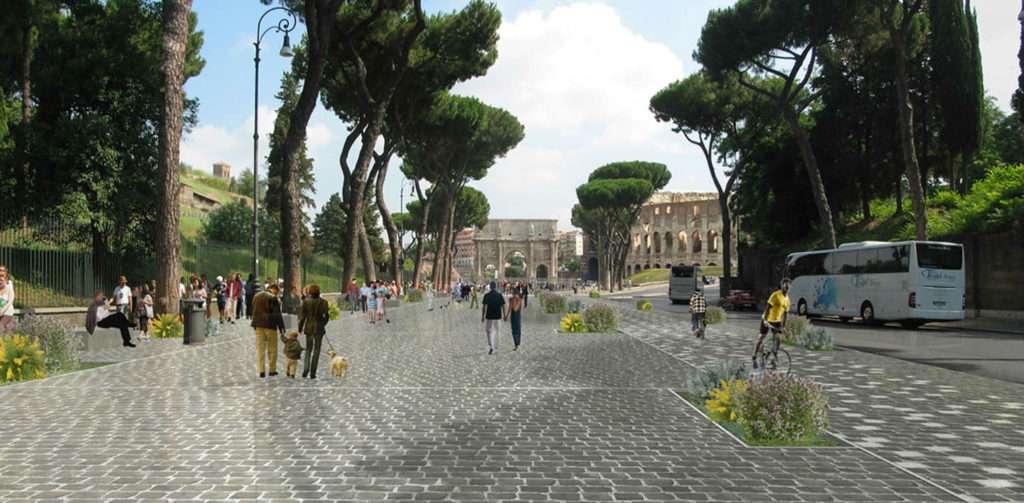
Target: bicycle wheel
<point x="783" y="363"/>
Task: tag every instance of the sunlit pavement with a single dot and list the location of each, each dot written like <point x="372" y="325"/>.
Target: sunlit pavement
<point x="425" y="414"/>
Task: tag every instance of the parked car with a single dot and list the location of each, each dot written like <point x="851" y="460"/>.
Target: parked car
<point x="738" y="299"/>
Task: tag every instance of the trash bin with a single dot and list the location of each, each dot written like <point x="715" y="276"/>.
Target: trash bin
<point x="195" y="321"/>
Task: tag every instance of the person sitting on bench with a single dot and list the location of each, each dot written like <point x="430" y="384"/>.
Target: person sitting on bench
<point x="99" y="315"/>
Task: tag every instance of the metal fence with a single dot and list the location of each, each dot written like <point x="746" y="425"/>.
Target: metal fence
<point x="53" y="265"/>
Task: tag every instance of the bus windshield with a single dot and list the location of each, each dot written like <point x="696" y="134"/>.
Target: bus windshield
<point x="937" y="256"/>
<point x="682" y="271"/>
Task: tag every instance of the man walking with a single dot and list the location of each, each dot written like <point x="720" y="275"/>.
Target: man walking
<point x="491" y="315"/>
<point x="123" y="297"/>
<point x="268" y="322"/>
<point x="698" y="309"/>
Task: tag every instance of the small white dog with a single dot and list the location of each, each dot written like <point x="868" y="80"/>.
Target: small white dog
<point x="338" y="364"/>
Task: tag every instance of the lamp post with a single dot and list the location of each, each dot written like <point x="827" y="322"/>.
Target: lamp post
<point x="284" y="25"/>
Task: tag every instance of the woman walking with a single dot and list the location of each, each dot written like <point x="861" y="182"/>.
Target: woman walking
<point x="144" y="311"/>
<point x="313" y="317"/>
<point x="515" y="314"/>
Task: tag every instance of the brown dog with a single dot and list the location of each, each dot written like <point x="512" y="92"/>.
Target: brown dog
<point x="338" y="364"/>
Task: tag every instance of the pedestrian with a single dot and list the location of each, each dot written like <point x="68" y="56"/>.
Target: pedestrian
<point x="353" y="296"/>
<point x="123" y="297"/>
<point x="515" y="315"/>
<point x="144" y="311"/>
<point x="491" y="315"/>
<point x="430" y="298"/>
<point x="99" y="315"/>
<point x="292" y="353"/>
<point x="222" y="299"/>
<point x="364" y="296"/>
<point x="526" y="295"/>
<point x="252" y="287"/>
<point x="313" y="317"/>
<point x="6" y="301"/>
<point x="473" y="294"/>
<point x="383" y="294"/>
<point x="371" y="306"/>
<point x="234" y="293"/>
<point x="698" y="310"/>
<point x="268" y="323"/>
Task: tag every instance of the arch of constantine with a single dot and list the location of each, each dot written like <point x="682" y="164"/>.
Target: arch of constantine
<point x="534" y="243"/>
<point x="678" y="228"/>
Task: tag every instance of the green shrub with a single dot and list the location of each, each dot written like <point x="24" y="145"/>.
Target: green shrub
<point x="945" y="199"/>
<point x="600" y="318"/>
<point x="700" y="383"/>
<point x="21" y="359"/>
<point x="59" y="342"/>
<point x="553" y="303"/>
<point x="643" y="305"/>
<point x="815" y="339"/>
<point x="994" y="203"/>
<point x="715" y="315"/>
<point x="783" y="408"/>
<point x="795" y="326"/>
<point x="574" y="306"/>
<point x="594" y="294"/>
<point x="572" y="323"/>
<point x="415" y="295"/>
<point x="333" y="311"/>
<point x="166" y="326"/>
<point x="724" y="399"/>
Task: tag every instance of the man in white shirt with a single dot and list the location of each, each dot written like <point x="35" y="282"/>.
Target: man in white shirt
<point x="123" y="296"/>
<point x="6" y="300"/>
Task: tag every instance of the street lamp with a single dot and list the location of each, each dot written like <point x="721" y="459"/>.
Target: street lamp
<point x="284" y="25"/>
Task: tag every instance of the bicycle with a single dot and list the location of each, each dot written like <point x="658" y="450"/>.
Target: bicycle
<point x="772" y="357"/>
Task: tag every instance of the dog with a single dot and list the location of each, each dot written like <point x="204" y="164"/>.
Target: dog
<point x="338" y="364"/>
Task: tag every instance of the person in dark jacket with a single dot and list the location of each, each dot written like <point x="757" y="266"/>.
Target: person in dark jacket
<point x="99" y="315"/>
<point x="252" y="287"/>
<point x="268" y="322"/>
<point x="313" y="317"/>
<point x="292" y="353"/>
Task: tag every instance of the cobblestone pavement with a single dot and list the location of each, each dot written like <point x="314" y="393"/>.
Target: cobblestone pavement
<point x="962" y="432"/>
<point x="425" y="414"/>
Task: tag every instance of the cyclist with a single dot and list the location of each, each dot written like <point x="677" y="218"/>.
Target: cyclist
<point x="698" y="309"/>
<point x="775" y="315"/>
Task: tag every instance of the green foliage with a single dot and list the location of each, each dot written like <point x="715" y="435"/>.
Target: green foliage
<point x="333" y="311"/>
<point x="60" y="343"/>
<point x="329" y="234"/>
<point x="994" y="204"/>
<point x="572" y="323"/>
<point x="166" y="326"/>
<point x="815" y="339"/>
<point x="795" y="325"/>
<point x="700" y="383"/>
<point x="783" y="408"/>
<point x="230" y="223"/>
<point x="643" y="305"/>
<point x="573" y="265"/>
<point x="600" y="318"/>
<point x="594" y="294"/>
<point x="415" y="295"/>
<point x="21" y="359"/>
<point x="288" y="95"/>
<point x="553" y="303"/>
<point x="575" y="305"/>
<point x="715" y="315"/>
<point x="723" y="400"/>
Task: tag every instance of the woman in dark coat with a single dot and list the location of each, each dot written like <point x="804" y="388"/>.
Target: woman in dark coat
<point x="313" y="317"/>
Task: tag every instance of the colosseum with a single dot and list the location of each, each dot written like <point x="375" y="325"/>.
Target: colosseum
<point x="678" y="228"/>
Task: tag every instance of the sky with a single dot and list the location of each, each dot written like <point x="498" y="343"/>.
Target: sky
<point x="577" y="73"/>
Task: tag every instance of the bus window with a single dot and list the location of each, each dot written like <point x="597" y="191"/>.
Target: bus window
<point x="845" y="263"/>
<point x="867" y="260"/>
<point x="893" y="259"/>
<point x="936" y="256"/>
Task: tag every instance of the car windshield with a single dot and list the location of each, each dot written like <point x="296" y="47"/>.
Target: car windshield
<point x="937" y="256"/>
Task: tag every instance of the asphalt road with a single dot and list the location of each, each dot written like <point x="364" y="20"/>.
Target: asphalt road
<point x="999" y="356"/>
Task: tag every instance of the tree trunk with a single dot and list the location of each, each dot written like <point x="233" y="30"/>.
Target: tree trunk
<point x="366" y="251"/>
<point x="168" y="231"/>
<point x="420" y="238"/>
<point x="811" y="164"/>
<point x="443" y="244"/>
<point x="726" y="285"/>
<point x="319" y="16"/>
<point x="394" y="243"/>
<point x="906" y="125"/>
<point x="354" y="196"/>
<point x="23" y="169"/>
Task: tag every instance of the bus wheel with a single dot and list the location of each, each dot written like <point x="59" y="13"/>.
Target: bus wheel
<point x="867" y="313"/>
<point x="801" y="307"/>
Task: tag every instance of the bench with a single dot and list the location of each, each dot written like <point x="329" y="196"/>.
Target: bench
<point x="100" y="339"/>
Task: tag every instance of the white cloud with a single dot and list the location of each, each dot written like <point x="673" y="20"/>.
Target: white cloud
<point x="212" y="143"/>
<point x="580" y="81"/>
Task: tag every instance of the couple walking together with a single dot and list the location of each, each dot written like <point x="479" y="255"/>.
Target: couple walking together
<point x="268" y="322"/>
<point x="495" y="310"/>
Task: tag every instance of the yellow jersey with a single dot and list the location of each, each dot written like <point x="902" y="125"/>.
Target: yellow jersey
<point x="778" y="305"/>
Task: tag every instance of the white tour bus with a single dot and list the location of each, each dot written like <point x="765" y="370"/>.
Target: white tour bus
<point x="682" y="282"/>
<point x="912" y="282"/>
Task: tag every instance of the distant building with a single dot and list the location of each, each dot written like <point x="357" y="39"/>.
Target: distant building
<point x="222" y="170"/>
<point x="678" y="228"/>
<point x="464" y="261"/>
